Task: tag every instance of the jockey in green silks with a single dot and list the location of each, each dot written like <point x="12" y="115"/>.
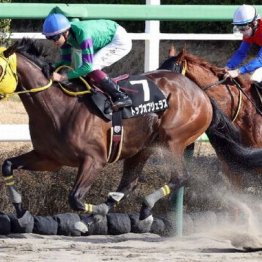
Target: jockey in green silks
<point x="102" y="43"/>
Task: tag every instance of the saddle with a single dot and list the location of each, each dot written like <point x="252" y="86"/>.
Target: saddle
<point x="145" y="95"/>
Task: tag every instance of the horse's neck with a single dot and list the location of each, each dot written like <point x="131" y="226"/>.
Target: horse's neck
<point x="46" y="103"/>
<point x="201" y="75"/>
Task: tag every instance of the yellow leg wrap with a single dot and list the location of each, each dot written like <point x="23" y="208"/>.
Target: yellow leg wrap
<point x="88" y="208"/>
<point x="9" y="181"/>
<point x="166" y="190"/>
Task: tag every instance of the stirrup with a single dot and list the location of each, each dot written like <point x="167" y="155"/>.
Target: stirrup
<point x="124" y="102"/>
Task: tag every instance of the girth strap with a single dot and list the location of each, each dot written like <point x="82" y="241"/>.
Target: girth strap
<point x="116" y="137"/>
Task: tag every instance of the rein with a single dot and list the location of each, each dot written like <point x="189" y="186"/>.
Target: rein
<point x="241" y="92"/>
<point x="42" y="88"/>
<point x="74" y="93"/>
<point x="34" y="90"/>
<point x="214" y="84"/>
<point x="245" y="94"/>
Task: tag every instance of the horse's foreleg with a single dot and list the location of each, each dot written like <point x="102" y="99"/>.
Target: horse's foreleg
<point x="28" y="161"/>
<point x="87" y="173"/>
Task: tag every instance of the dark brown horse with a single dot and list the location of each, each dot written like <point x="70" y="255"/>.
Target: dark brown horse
<point x="241" y="106"/>
<point x="70" y="131"/>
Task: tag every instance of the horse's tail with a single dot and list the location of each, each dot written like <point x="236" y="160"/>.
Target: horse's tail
<point x="225" y="139"/>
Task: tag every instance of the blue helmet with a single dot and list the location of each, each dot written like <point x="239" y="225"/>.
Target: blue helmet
<point x="55" y="24"/>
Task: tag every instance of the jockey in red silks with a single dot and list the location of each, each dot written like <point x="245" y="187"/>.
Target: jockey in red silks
<point x="247" y="21"/>
<point x="101" y="42"/>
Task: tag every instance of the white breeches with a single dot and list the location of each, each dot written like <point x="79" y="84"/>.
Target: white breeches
<point x="114" y="51"/>
<point x="257" y="75"/>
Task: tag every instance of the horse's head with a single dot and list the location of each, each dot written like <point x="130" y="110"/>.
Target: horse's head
<point x="8" y="73"/>
<point x="194" y="67"/>
<point x="23" y="60"/>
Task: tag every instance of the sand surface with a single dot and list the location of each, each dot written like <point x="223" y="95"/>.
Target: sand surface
<point x="129" y="247"/>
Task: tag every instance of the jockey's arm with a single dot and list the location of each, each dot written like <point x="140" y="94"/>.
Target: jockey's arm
<point x="253" y="64"/>
<point x="239" y="55"/>
<point x="65" y="56"/>
<point x="87" y="60"/>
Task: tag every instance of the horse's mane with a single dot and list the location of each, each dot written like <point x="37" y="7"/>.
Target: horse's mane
<point x="183" y="55"/>
<point x="217" y="71"/>
<point x="34" y="51"/>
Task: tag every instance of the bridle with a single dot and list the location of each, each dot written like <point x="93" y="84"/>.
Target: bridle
<point x="44" y="87"/>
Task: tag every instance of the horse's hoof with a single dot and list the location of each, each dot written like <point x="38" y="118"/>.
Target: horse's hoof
<point x="81" y="227"/>
<point x="145" y="213"/>
<point x="148" y="220"/>
<point x="146" y="223"/>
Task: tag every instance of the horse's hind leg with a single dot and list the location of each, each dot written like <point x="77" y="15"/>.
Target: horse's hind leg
<point x="133" y="168"/>
<point x="28" y="161"/>
<point x="179" y="177"/>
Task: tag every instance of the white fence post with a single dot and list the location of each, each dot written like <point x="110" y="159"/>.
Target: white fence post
<point x="152" y="28"/>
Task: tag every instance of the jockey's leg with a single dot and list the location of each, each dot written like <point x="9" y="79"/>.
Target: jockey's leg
<point x="107" y="85"/>
<point x="257" y="78"/>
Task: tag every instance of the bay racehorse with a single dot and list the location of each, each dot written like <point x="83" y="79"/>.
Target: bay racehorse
<point x="238" y="99"/>
<point x="69" y="130"/>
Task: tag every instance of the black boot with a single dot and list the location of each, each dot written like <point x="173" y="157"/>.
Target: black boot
<point x="119" y="98"/>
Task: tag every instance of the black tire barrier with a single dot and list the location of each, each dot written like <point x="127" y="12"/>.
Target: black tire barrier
<point x="112" y="224"/>
<point x="64" y="224"/>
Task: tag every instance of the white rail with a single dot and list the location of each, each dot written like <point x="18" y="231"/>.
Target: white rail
<point x="152" y="40"/>
<point x="21" y="133"/>
<point x="14" y="133"/>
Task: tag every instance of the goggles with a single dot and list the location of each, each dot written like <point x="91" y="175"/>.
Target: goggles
<point x="242" y="28"/>
<point x="54" y="38"/>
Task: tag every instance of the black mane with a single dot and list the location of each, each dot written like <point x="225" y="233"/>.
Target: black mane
<point x="34" y="51"/>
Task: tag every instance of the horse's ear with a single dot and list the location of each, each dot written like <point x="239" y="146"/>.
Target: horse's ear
<point x="10" y="50"/>
<point x="172" y="51"/>
<point x="183" y="51"/>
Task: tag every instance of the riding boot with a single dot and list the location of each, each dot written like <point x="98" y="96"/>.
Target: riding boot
<point x="119" y="98"/>
<point x="107" y="85"/>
